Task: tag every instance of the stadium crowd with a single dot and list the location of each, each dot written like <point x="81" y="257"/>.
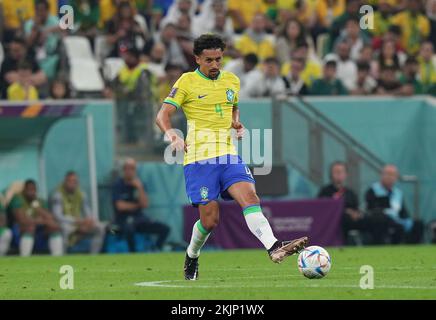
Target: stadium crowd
<point x="314" y="47"/>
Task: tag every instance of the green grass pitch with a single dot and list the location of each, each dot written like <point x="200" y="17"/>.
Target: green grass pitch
<point x="406" y="272"/>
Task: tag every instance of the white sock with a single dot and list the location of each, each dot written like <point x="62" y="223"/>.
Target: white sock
<point x="198" y="239"/>
<point x="259" y="225"/>
<point x="26" y="245"/>
<point x="56" y="245"/>
<point x="5" y="240"/>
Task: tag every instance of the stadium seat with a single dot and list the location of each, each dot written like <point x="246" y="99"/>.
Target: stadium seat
<point x="85" y="76"/>
<point x="111" y="67"/>
<point x="101" y="48"/>
<point x="2" y="55"/>
<point x="78" y="48"/>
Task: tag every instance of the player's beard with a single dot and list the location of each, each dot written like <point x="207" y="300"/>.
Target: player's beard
<point x="213" y="73"/>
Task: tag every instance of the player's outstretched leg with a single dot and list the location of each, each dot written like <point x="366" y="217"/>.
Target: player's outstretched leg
<point x="245" y="194"/>
<point x="209" y="216"/>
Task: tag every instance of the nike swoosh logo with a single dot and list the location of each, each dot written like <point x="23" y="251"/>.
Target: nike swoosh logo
<point x="201" y="96"/>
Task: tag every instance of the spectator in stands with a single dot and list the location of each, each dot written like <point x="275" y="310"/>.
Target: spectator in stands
<point x="388" y="84"/>
<point x="365" y="84"/>
<point x="255" y="39"/>
<point x="32" y="215"/>
<point x="392" y="34"/>
<point x="22" y="89"/>
<point x="130" y="199"/>
<point x="294" y="82"/>
<point x="366" y="57"/>
<point x="59" y="89"/>
<point x="109" y="8"/>
<point x="415" y="26"/>
<point x="351" y="10"/>
<point x="42" y="37"/>
<point x="382" y="17"/>
<point x="156" y="60"/>
<point x="303" y="11"/>
<point x="385" y="204"/>
<point x="243" y="11"/>
<point x="212" y="18"/>
<point x="291" y="36"/>
<point x="172" y="74"/>
<point x="123" y="31"/>
<point x="352" y="218"/>
<point x="185" y="39"/>
<point x="389" y="57"/>
<point x="409" y="76"/>
<point x="15" y="14"/>
<point x="329" y="84"/>
<point x="431" y="15"/>
<point x="355" y="36"/>
<point x="71" y="209"/>
<point x="174" y="51"/>
<point x="243" y="66"/>
<point x="5" y="233"/>
<point x="17" y="53"/>
<point x="312" y="69"/>
<point x="179" y="8"/>
<point x="266" y="83"/>
<point x="346" y="67"/>
<point x="86" y="17"/>
<point x="326" y="12"/>
<point x="427" y="65"/>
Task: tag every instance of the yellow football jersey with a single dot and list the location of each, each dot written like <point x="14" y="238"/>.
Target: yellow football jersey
<point x="208" y="107"/>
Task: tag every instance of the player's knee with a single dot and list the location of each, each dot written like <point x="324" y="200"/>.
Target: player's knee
<point x="251" y="198"/>
<point x="210" y="223"/>
<point x="28" y="227"/>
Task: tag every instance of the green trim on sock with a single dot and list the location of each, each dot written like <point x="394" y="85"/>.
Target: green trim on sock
<point x="27" y="235"/>
<point x="201" y="228"/>
<point x="251" y="209"/>
<point x="55" y="234"/>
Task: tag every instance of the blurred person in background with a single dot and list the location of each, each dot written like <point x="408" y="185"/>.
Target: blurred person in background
<point x="71" y="209"/>
<point x="389" y="57"/>
<point x="392" y="34"/>
<point x="255" y="39"/>
<point x="354" y="36"/>
<point x="174" y="50"/>
<point x="243" y="66"/>
<point x="352" y="218"/>
<point x="179" y="8"/>
<point x="346" y="67"/>
<point x="365" y="84"/>
<point x="129" y="200"/>
<point x="385" y="204"/>
<point x="172" y="73"/>
<point x="243" y="12"/>
<point x="409" y="76"/>
<point x="42" y="36"/>
<point x="156" y="60"/>
<point x="329" y="84"/>
<point x="427" y="65"/>
<point x="382" y="18"/>
<point x="32" y="216"/>
<point x="15" y="13"/>
<point x="109" y="8"/>
<point x="213" y="18"/>
<point x="293" y="81"/>
<point x="59" y="89"/>
<point x="431" y="15"/>
<point x="312" y="68"/>
<point x="415" y="26"/>
<point x="123" y="32"/>
<point x="351" y="10"/>
<point x="388" y="84"/>
<point x="86" y="17"/>
<point x="22" y="89"/>
<point x="292" y="34"/>
<point x="17" y="53"/>
<point x="266" y="83"/>
<point x="5" y="232"/>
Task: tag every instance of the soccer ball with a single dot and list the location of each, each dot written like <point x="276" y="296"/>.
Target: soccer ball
<point x="314" y="262"/>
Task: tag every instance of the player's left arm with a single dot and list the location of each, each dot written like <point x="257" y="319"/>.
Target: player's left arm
<point x="236" y="123"/>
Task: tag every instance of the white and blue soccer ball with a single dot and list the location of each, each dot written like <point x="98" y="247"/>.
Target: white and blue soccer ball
<point x="314" y="262"/>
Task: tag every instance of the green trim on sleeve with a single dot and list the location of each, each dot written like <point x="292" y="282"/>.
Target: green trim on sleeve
<point x="173" y="103"/>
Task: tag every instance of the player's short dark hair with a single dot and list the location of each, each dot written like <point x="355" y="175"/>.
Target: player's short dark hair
<point x="70" y="173"/>
<point x="208" y="41"/>
<point x="29" y="182"/>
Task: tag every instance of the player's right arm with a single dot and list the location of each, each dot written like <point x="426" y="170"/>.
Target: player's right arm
<point x="173" y="102"/>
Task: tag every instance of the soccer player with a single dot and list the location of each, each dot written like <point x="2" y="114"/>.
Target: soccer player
<point x="209" y="98"/>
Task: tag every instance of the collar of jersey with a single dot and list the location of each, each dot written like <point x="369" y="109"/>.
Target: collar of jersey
<point x="201" y="74"/>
